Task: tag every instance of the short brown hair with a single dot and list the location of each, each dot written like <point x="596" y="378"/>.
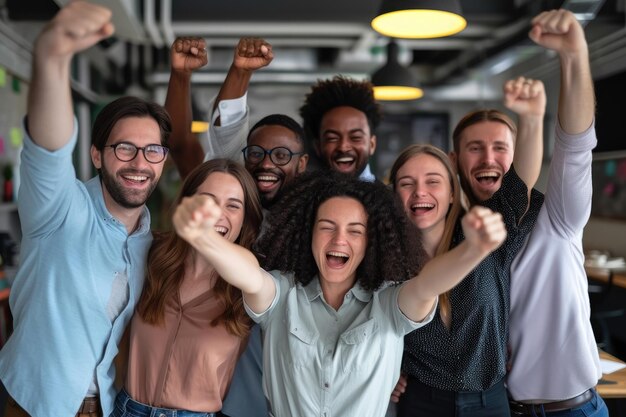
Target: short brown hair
<point x="484" y="115"/>
<point x="128" y="107"/>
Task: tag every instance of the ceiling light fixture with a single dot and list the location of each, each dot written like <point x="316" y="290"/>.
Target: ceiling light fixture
<point x="393" y="81"/>
<point x="419" y="18"/>
<point x="198" y="126"/>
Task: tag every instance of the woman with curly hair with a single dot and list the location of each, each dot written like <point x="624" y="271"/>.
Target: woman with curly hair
<point x="190" y="325"/>
<point x="333" y="322"/>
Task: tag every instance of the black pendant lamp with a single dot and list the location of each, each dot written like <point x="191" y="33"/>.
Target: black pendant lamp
<point x="393" y="81"/>
<point x="419" y="18"/>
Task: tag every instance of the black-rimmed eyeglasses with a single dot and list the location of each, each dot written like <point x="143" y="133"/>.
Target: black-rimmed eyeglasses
<point x="126" y="152"/>
<point x="280" y="155"/>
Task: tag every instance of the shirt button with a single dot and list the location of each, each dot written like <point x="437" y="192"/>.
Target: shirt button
<point x="222" y="106"/>
<point x="326" y="385"/>
<point x="349" y="295"/>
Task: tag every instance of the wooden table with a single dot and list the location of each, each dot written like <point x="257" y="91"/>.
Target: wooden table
<point x="615" y="386"/>
<point x="603" y="274"/>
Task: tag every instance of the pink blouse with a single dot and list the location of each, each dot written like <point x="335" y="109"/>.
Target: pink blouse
<point x="185" y="364"/>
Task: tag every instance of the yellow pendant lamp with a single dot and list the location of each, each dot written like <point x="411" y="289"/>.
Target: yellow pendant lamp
<point x="419" y="19"/>
<point x="393" y="81"/>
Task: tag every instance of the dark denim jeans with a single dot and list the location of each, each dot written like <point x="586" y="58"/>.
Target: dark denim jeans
<point x="127" y="407"/>
<point x="421" y="400"/>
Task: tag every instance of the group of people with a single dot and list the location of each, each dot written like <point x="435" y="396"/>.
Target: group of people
<point x="285" y="292"/>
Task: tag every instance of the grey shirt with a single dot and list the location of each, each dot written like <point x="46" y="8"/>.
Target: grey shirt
<point x="322" y="362"/>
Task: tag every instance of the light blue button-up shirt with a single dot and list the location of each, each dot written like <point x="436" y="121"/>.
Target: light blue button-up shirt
<point x="71" y="252"/>
<point x="318" y="361"/>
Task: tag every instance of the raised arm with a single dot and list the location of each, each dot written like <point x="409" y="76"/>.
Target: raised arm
<point x="527" y="98"/>
<point x="194" y="221"/>
<point x="250" y="55"/>
<point x="187" y="55"/>
<point x="77" y="26"/>
<point x="484" y="231"/>
<point x="560" y="31"/>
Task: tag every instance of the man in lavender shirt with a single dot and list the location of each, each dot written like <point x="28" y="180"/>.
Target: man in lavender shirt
<point x="555" y="364"/>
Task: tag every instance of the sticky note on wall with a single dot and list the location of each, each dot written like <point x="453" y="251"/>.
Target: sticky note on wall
<point x="16" y="85"/>
<point x="16" y="136"/>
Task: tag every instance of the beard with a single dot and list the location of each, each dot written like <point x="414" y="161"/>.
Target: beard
<point x="127" y="197"/>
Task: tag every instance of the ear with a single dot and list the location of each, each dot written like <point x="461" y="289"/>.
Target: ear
<point x="302" y="163"/>
<point x="96" y="157"/>
<point x="318" y="147"/>
<point x="453" y="158"/>
<point x="372" y="144"/>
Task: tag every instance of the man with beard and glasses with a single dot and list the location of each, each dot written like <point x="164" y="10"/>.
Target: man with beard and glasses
<point x="273" y="150"/>
<point x="84" y="245"/>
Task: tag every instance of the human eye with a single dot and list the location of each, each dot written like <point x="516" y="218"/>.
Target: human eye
<point x="125" y="148"/>
<point x="255" y="153"/>
<point x="281" y="154"/>
<point x="154" y="150"/>
<point x="326" y="227"/>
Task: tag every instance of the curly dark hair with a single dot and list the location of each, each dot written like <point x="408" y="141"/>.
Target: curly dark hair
<point x="393" y="252"/>
<point x="336" y="92"/>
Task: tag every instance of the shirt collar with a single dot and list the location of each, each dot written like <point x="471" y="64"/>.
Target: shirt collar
<point x="94" y="188"/>
<point x="313" y="290"/>
<point x="367" y="175"/>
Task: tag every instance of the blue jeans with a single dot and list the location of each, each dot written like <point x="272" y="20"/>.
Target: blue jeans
<point x="421" y="400"/>
<point x="127" y="407"/>
<point x="594" y="407"/>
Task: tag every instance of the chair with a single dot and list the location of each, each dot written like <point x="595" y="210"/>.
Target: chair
<point x="601" y="287"/>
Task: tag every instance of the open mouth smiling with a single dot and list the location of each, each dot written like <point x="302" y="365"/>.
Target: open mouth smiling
<point x="421" y="208"/>
<point x="139" y="179"/>
<point x="336" y="259"/>
<point x="487" y="177"/>
<point x="345" y="161"/>
<point x="221" y="230"/>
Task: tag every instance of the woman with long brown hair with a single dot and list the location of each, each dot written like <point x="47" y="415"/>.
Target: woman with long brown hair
<point x="190" y="325"/>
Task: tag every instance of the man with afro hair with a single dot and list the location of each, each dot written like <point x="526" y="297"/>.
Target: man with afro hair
<point x="340" y="116"/>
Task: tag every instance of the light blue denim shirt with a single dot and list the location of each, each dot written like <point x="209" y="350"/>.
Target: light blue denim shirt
<point x="72" y="249"/>
<point x="321" y="362"/>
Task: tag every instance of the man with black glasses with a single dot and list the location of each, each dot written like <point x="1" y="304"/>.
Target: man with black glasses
<point x="274" y="154"/>
<point x="84" y="245"/>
